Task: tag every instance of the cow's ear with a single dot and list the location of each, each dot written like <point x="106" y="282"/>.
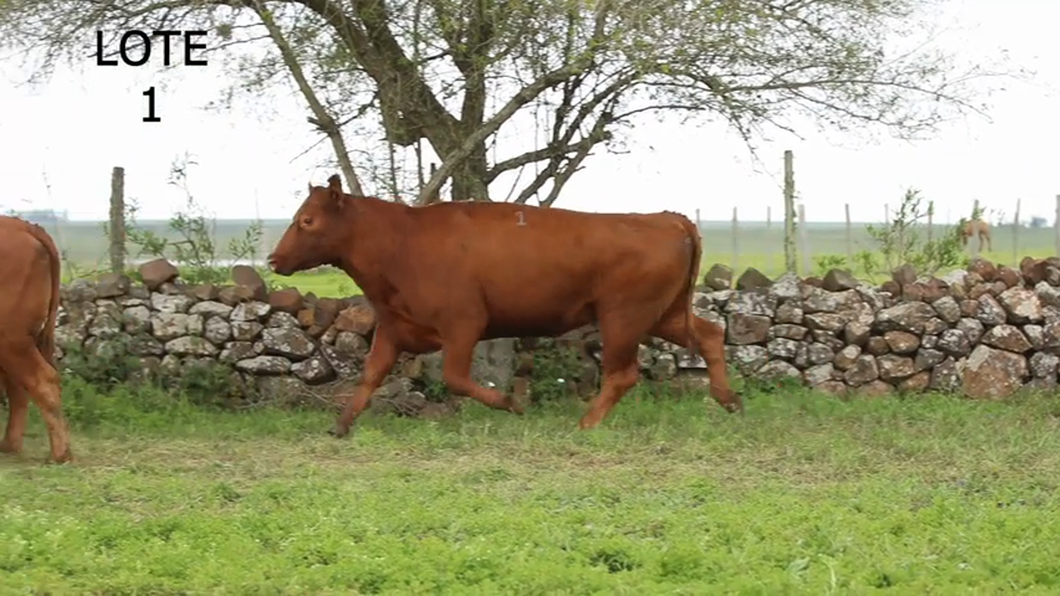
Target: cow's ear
<point x="335" y="184"/>
<point x="335" y="189"/>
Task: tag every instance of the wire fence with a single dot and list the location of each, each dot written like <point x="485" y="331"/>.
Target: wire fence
<point x="818" y="245"/>
<point x="761" y="240"/>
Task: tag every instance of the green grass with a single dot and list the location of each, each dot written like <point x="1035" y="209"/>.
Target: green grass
<point x="803" y="494"/>
<point x="326" y="282"/>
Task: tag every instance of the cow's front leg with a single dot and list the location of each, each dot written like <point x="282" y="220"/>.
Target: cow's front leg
<point x="377" y="365"/>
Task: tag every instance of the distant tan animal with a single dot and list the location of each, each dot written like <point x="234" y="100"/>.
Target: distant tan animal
<point x="980" y="228"/>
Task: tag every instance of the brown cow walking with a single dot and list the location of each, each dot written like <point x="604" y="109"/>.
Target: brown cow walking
<point x="29" y="273"/>
<point x="447" y="275"/>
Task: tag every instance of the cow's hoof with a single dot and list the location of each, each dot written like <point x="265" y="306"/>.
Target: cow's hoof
<point x="734" y="406"/>
<point x="338" y="432"/>
<point x="61" y="460"/>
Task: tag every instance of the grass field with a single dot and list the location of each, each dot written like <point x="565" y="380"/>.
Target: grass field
<point x="803" y="494"/>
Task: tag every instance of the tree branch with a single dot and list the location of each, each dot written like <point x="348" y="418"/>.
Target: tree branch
<point x="561" y="146"/>
<point x="523" y="97"/>
<point x="322" y="118"/>
<point x="402" y="89"/>
<point x="574" y="66"/>
<point x="536" y="155"/>
<point x="542" y="177"/>
<point x="574" y="163"/>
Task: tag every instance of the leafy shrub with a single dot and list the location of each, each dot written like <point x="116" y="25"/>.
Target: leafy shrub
<point x="554" y="368"/>
<point x="104" y="367"/>
<point x="194" y="244"/>
<point x="109" y="365"/>
<point x="824" y="263"/>
<point x="899" y="242"/>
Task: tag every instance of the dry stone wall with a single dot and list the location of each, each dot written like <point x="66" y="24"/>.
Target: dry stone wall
<point x="985" y="332"/>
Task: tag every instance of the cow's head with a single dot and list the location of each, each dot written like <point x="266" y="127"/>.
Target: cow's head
<point x="317" y="234"/>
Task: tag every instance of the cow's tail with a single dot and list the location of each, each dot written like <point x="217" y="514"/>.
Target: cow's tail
<point x="46" y="338"/>
<point x="693" y="274"/>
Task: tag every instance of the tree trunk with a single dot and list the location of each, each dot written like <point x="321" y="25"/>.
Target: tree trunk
<point x="469" y="179"/>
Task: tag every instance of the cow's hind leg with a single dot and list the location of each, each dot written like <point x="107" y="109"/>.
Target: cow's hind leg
<point x="456" y="372"/>
<point x="377" y="365"/>
<point x="620" y="369"/>
<point x="17" y="411"/>
<point x="711" y="345"/>
<point x="24" y="365"/>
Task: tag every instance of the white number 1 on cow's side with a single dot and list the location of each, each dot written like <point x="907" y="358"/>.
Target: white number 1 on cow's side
<point x="521" y="222"/>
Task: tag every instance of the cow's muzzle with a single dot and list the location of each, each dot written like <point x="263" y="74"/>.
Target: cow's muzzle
<point x="274" y="266"/>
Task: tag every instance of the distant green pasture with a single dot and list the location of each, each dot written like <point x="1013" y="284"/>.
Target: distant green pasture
<point x="757" y="245"/>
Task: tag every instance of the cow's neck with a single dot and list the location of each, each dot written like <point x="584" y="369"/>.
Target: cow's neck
<point x="375" y="228"/>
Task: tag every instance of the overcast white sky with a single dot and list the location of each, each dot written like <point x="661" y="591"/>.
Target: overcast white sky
<point x="72" y="130"/>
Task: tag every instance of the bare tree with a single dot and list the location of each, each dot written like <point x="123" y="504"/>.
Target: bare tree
<point x="428" y="70"/>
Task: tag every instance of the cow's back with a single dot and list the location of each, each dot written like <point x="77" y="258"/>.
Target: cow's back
<point x="543" y="270"/>
<point x="26" y="274"/>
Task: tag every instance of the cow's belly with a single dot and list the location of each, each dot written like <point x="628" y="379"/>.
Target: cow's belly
<point x="538" y="322"/>
<point x="539" y="306"/>
<point x="412" y="337"/>
<point x="421" y="339"/>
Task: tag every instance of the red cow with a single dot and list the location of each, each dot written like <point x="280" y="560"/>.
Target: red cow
<point x="447" y="275"/>
<point x="29" y="273"/>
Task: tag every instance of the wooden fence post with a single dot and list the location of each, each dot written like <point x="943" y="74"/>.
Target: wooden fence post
<point x="1016" y="236"/>
<point x="789" y="212"/>
<point x="804" y="248"/>
<point x="1056" y="228"/>
<point x="698" y="224"/>
<point x="117" y="220"/>
<point x="735" y="242"/>
<point x="263" y="250"/>
<point x="931" y="220"/>
<point x="769" y="227"/>
<point x="976" y="244"/>
<point x="850" y="238"/>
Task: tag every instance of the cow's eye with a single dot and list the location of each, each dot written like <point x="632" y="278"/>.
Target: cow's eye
<point x="307" y="221"/>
